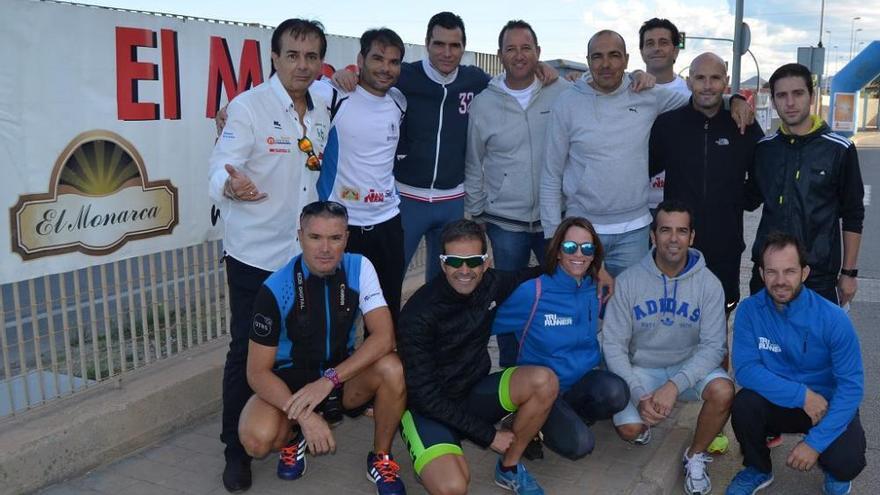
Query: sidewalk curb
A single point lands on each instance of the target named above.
(113, 419)
(662, 472)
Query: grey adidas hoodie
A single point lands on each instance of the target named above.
(655, 321)
(505, 155)
(597, 153)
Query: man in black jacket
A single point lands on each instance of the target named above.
(811, 186)
(442, 337)
(708, 163)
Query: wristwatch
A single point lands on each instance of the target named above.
(330, 374)
(850, 273)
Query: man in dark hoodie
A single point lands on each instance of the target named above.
(665, 335)
(811, 186)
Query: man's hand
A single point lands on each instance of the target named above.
(604, 285)
(664, 398)
(573, 76)
(240, 187)
(641, 80)
(815, 406)
(502, 441)
(647, 412)
(846, 289)
(802, 457)
(742, 113)
(345, 80)
(546, 74)
(303, 402)
(317, 434)
(220, 119)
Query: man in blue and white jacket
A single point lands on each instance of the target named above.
(798, 360)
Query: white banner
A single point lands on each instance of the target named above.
(106, 126)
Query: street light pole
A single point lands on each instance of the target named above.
(737, 45)
(852, 36)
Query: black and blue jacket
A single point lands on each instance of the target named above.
(310, 319)
(430, 154)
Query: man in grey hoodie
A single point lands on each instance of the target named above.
(665, 335)
(597, 152)
(505, 153)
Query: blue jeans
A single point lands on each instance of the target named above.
(511, 251)
(421, 218)
(624, 250)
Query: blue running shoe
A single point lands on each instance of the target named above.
(520, 482)
(834, 487)
(385, 473)
(749, 481)
(292, 459)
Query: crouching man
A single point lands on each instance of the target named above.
(302, 364)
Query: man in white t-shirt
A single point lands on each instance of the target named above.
(659, 40)
(359, 158)
(505, 154)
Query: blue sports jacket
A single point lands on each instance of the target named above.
(562, 334)
(810, 343)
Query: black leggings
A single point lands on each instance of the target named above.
(754, 417)
(598, 395)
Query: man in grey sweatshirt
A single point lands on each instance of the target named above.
(665, 335)
(505, 155)
(597, 152)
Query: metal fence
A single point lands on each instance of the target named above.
(65, 333)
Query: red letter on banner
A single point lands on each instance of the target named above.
(221, 70)
(170, 75)
(129, 71)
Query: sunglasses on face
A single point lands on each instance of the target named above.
(312, 161)
(472, 261)
(571, 247)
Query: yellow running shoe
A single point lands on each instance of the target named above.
(719, 445)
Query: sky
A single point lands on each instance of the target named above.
(778, 27)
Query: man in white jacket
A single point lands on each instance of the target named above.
(665, 334)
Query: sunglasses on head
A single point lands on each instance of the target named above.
(571, 247)
(472, 261)
(312, 161)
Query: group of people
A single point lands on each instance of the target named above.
(326, 188)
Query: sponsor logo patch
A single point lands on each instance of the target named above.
(262, 325)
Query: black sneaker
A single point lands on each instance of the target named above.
(535, 449)
(237, 475)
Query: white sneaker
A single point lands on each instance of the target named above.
(696, 479)
(644, 437)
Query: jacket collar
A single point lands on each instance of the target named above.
(436, 76)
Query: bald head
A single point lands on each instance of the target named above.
(606, 33)
(707, 81)
(710, 58)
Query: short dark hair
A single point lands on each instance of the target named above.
(791, 70)
(328, 209)
(551, 257)
(446, 20)
(299, 29)
(516, 24)
(778, 240)
(670, 206)
(659, 23)
(463, 229)
(384, 37)
(602, 33)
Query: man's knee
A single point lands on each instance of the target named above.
(746, 403)
(581, 443)
(451, 485)
(719, 392)
(541, 382)
(257, 440)
(630, 431)
(390, 371)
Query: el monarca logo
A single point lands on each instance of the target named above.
(99, 198)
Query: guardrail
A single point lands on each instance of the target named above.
(62, 334)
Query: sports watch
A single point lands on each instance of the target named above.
(330, 374)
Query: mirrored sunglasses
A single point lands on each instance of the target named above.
(571, 247)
